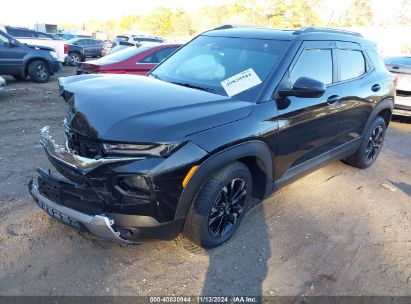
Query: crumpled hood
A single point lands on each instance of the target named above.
(130, 108)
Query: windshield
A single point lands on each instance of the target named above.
(126, 53)
(227, 66)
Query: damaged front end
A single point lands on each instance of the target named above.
(79, 203)
(128, 199)
(115, 185)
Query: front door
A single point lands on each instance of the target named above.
(11, 57)
(307, 126)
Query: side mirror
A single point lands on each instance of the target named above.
(305, 87)
(13, 43)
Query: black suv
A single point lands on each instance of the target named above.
(233, 115)
(22, 60)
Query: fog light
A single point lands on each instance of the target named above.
(135, 184)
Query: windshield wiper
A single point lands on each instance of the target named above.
(193, 86)
(155, 76)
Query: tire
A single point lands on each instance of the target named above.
(371, 145)
(39, 71)
(214, 207)
(75, 58)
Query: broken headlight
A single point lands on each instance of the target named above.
(159, 150)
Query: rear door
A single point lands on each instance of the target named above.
(95, 46)
(85, 45)
(358, 88)
(307, 125)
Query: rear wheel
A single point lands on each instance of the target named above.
(371, 146)
(75, 58)
(39, 71)
(219, 206)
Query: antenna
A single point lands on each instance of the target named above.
(331, 17)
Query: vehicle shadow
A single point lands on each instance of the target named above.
(406, 188)
(239, 267)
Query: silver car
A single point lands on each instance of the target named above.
(401, 67)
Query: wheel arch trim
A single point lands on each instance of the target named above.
(252, 148)
(385, 104)
(29, 60)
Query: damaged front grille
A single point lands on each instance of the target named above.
(83, 146)
(66, 193)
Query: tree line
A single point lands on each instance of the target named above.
(167, 22)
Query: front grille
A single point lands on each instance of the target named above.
(83, 146)
(70, 195)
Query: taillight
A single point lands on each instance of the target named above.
(113, 72)
(66, 49)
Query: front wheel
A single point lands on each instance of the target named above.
(219, 206)
(39, 71)
(371, 145)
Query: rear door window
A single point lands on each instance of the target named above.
(351, 64)
(314, 63)
(164, 53)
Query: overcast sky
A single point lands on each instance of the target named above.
(29, 12)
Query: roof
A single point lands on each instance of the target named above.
(305, 33)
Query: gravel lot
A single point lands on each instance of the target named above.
(337, 231)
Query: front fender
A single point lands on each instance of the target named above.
(217, 161)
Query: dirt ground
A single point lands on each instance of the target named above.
(337, 231)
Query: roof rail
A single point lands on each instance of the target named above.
(228, 26)
(313, 29)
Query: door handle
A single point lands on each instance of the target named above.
(396, 67)
(333, 99)
(376, 87)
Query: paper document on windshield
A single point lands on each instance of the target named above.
(240, 82)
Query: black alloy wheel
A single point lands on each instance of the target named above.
(374, 144)
(219, 206)
(227, 208)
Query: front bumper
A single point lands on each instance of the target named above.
(54, 66)
(98, 225)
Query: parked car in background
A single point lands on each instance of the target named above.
(229, 118)
(119, 47)
(91, 47)
(32, 37)
(137, 39)
(2, 83)
(132, 60)
(76, 54)
(107, 45)
(400, 66)
(124, 44)
(53, 36)
(22, 60)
